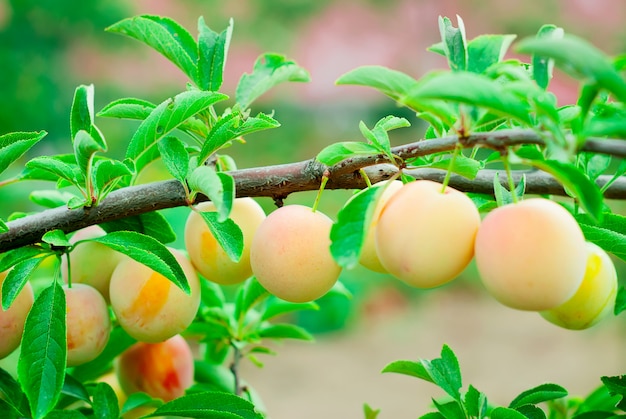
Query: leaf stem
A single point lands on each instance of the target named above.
(321, 189)
(365, 177)
(509, 177)
(446, 180)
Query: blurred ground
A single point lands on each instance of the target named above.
(502, 352)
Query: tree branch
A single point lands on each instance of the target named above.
(281, 180)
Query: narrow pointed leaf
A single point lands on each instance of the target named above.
(41, 369)
(580, 59)
(15, 256)
(152, 224)
(227, 233)
(269, 70)
(445, 372)
(165, 36)
(51, 198)
(148, 251)
(164, 118)
(106, 172)
(82, 112)
(175, 157)
(506, 413)
(454, 43)
(210, 405)
(128, 108)
(16, 279)
(411, 368)
(105, 404)
(337, 152)
(285, 331)
(85, 146)
(392, 83)
(275, 307)
(541, 393)
(55, 168)
(542, 66)
(485, 50)
(347, 235)
(212, 52)
(219, 187)
(250, 294)
(3, 227)
(15, 144)
(463, 166)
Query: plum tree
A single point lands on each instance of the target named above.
(88, 323)
(148, 305)
(92, 263)
(290, 254)
(12, 320)
(531, 255)
(163, 370)
(205, 253)
(595, 298)
(369, 256)
(425, 235)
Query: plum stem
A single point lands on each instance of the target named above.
(446, 179)
(509, 177)
(321, 189)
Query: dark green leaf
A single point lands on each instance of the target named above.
(276, 307)
(284, 331)
(213, 405)
(476, 403)
(118, 342)
(164, 118)
(82, 112)
(51, 198)
(454, 43)
(340, 151)
(580, 59)
(106, 172)
(463, 165)
(56, 168)
(15, 256)
(15, 144)
(620, 301)
(75, 389)
(369, 412)
(450, 409)
(3, 227)
(56, 238)
(164, 35)
(65, 414)
(542, 66)
(15, 280)
(227, 233)
(8, 411)
(531, 411)
(485, 50)
(212, 51)
(269, 70)
(470, 88)
(539, 394)
(251, 293)
(445, 372)
(105, 405)
(595, 414)
(506, 413)
(219, 187)
(151, 224)
(12, 394)
(411, 368)
(432, 415)
(41, 369)
(392, 83)
(347, 235)
(148, 251)
(175, 157)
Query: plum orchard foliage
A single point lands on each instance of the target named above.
(485, 112)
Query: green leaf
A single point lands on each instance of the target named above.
(450, 409)
(219, 187)
(106, 172)
(41, 369)
(8, 411)
(348, 234)
(276, 307)
(542, 66)
(502, 195)
(227, 233)
(56, 238)
(212, 294)
(3, 227)
(593, 164)
(139, 399)
(12, 394)
(464, 166)
(411, 368)
(212, 51)
(541, 393)
(75, 389)
(105, 405)
(454, 43)
(485, 50)
(51, 198)
(268, 71)
(165, 36)
(250, 294)
(580, 59)
(15, 256)
(213, 405)
(620, 301)
(616, 385)
(128, 108)
(56, 168)
(147, 251)
(337, 152)
(610, 234)
(506, 413)
(16, 279)
(378, 135)
(369, 412)
(119, 341)
(392, 83)
(580, 186)
(532, 412)
(82, 113)
(152, 224)
(13, 146)
(164, 118)
(445, 372)
(476, 403)
(470, 88)
(65, 414)
(285, 331)
(175, 157)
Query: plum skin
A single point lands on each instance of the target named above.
(290, 254)
(12, 320)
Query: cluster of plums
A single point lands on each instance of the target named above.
(530, 255)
